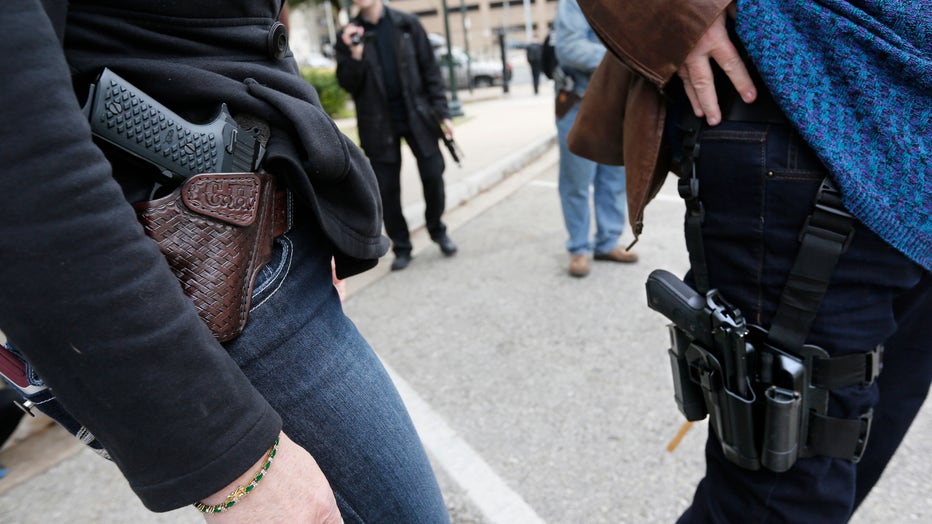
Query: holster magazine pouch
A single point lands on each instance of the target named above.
(781, 414)
(217, 230)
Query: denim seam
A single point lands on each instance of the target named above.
(762, 235)
(343, 503)
(797, 174)
(283, 269)
(745, 136)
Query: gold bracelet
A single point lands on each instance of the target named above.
(241, 491)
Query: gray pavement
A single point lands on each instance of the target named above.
(540, 398)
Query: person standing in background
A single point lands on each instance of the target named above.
(535, 58)
(385, 61)
(579, 52)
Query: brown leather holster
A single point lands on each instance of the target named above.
(217, 231)
(565, 101)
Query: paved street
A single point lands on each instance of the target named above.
(540, 398)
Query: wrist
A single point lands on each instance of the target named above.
(243, 485)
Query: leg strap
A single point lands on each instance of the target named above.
(848, 370)
(838, 437)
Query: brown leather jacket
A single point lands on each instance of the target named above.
(622, 116)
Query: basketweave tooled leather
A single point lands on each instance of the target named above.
(216, 231)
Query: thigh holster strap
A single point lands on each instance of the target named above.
(858, 369)
(838, 437)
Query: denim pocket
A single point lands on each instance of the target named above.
(272, 275)
(270, 278)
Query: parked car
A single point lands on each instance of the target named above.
(479, 73)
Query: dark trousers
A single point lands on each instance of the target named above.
(757, 184)
(904, 383)
(430, 165)
(535, 75)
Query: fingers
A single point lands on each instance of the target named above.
(346, 35)
(447, 127)
(730, 61)
(348, 32)
(696, 72)
(700, 89)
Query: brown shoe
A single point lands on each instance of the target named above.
(618, 254)
(579, 265)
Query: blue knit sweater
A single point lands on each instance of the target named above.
(855, 77)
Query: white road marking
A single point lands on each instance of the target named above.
(489, 492)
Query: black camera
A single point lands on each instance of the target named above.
(358, 38)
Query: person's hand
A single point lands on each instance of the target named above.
(347, 36)
(293, 490)
(338, 283)
(447, 126)
(696, 71)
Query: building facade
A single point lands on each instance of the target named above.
(474, 25)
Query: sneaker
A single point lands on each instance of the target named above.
(401, 261)
(618, 254)
(579, 265)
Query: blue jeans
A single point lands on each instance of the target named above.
(758, 183)
(335, 398)
(577, 174)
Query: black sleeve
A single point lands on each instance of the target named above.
(351, 73)
(430, 71)
(91, 302)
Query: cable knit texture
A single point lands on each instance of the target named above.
(855, 77)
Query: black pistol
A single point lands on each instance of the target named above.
(691, 322)
(126, 117)
(454, 149)
(455, 152)
(709, 320)
(671, 297)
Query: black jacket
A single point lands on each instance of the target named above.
(83, 293)
(422, 88)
